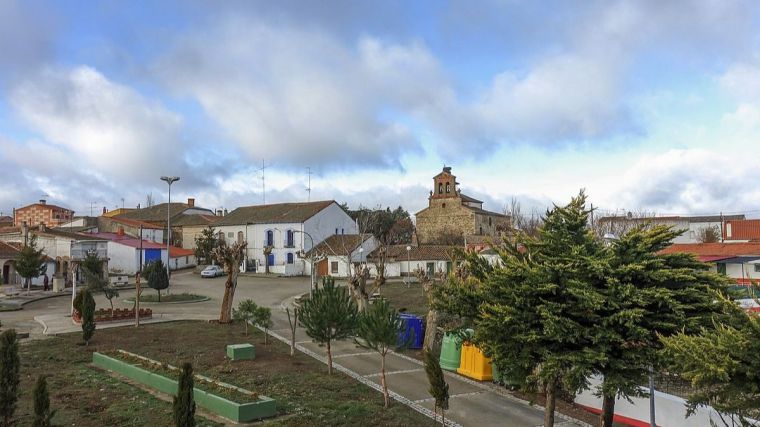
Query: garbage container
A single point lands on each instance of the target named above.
(474, 363)
(451, 351)
(412, 325)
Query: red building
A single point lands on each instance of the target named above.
(34, 214)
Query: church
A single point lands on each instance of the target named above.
(454, 218)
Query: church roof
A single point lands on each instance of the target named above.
(466, 198)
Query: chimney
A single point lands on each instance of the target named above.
(190, 202)
(225, 212)
(218, 212)
(105, 210)
(120, 232)
(42, 201)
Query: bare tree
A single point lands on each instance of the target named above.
(293, 325)
(709, 234)
(431, 327)
(229, 256)
(149, 200)
(528, 224)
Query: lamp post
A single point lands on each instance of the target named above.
(169, 180)
(408, 268)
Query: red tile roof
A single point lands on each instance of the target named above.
(175, 252)
(137, 223)
(715, 249)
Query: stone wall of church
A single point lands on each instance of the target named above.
(444, 217)
(489, 225)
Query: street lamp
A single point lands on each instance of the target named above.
(408, 269)
(169, 180)
(311, 260)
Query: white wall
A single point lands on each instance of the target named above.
(669, 410)
(122, 259)
(323, 225)
(180, 262)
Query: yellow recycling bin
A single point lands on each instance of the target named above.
(474, 364)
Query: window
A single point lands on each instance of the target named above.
(289, 240)
(440, 188)
(290, 258)
(221, 236)
(336, 230)
(269, 239)
(489, 222)
(448, 188)
(481, 230)
(443, 205)
(230, 234)
(334, 267)
(240, 237)
(757, 268)
(721, 268)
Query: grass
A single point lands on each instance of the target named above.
(184, 297)
(86, 396)
(410, 299)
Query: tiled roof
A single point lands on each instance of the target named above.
(483, 211)
(59, 232)
(274, 214)
(137, 223)
(196, 220)
(175, 252)
(158, 212)
(466, 198)
(128, 241)
(715, 249)
(418, 253)
(8, 250)
(6, 219)
(339, 244)
(44, 205)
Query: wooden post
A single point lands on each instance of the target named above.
(137, 300)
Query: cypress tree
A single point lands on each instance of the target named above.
(88, 316)
(378, 329)
(184, 402)
(9, 375)
(329, 315)
(438, 387)
(42, 413)
(31, 262)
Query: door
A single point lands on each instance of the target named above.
(322, 268)
(270, 260)
(152, 255)
(6, 273)
(431, 269)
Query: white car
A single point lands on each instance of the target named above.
(212, 271)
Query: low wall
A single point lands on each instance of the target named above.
(670, 411)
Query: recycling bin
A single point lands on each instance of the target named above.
(413, 327)
(451, 351)
(474, 364)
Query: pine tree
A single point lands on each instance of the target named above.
(42, 412)
(246, 312)
(439, 389)
(647, 295)
(722, 364)
(155, 274)
(205, 244)
(329, 315)
(31, 262)
(10, 365)
(88, 315)
(378, 329)
(184, 402)
(539, 311)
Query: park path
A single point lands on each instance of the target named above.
(471, 403)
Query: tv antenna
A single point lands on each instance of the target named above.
(308, 188)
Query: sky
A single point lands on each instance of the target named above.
(647, 105)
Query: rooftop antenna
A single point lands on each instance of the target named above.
(91, 204)
(122, 203)
(308, 189)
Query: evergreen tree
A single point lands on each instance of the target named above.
(378, 329)
(184, 402)
(205, 244)
(647, 295)
(155, 274)
(246, 312)
(93, 264)
(10, 365)
(329, 315)
(539, 311)
(263, 319)
(42, 412)
(438, 387)
(88, 316)
(722, 364)
(31, 262)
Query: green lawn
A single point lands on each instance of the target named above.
(86, 396)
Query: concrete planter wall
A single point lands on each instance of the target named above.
(239, 412)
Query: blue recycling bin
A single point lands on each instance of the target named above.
(412, 325)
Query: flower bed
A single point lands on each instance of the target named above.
(227, 400)
(118, 315)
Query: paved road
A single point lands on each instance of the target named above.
(471, 403)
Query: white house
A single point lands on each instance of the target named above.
(404, 260)
(124, 253)
(11, 251)
(336, 255)
(289, 229)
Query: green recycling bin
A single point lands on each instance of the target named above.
(451, 351)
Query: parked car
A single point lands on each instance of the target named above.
(212, 271)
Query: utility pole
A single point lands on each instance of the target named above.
(308, 188)
(91, 205)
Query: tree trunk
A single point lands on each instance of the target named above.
(111, 302)
(608, 411)
(430, 330)
(382, 380)
(246, 326)
(551, 389)
(229, 294)
(293, 325)
(265, 336)
(329, 359)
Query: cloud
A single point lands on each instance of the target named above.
(691, 181)
(26, 37)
